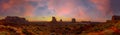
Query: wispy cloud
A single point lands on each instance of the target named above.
(84, 9)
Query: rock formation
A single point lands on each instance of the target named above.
(54, 20)
(115, 18)
(15, 19)
(61, 20)
(73, 20)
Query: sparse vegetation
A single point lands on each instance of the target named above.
(75, 29)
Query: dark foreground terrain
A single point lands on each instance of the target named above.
(60, 28)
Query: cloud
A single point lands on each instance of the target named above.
(84, 9)
(61, 7)
(114, 4)
(11, 7)
(17, 7)
(103, 6)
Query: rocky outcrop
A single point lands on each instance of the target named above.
(15, 19)
(115, 18)
(73, 20)
(54, 20)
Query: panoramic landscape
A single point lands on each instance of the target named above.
(59, 17)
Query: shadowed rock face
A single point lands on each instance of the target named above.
(61, 20)
(54, 20)
(15, 19)
(73, 20)
(115, 18)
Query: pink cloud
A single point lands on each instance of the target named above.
(15, 3)
(29, 11)
(61, 7)
(103, 6)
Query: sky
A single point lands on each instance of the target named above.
(43, 10)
